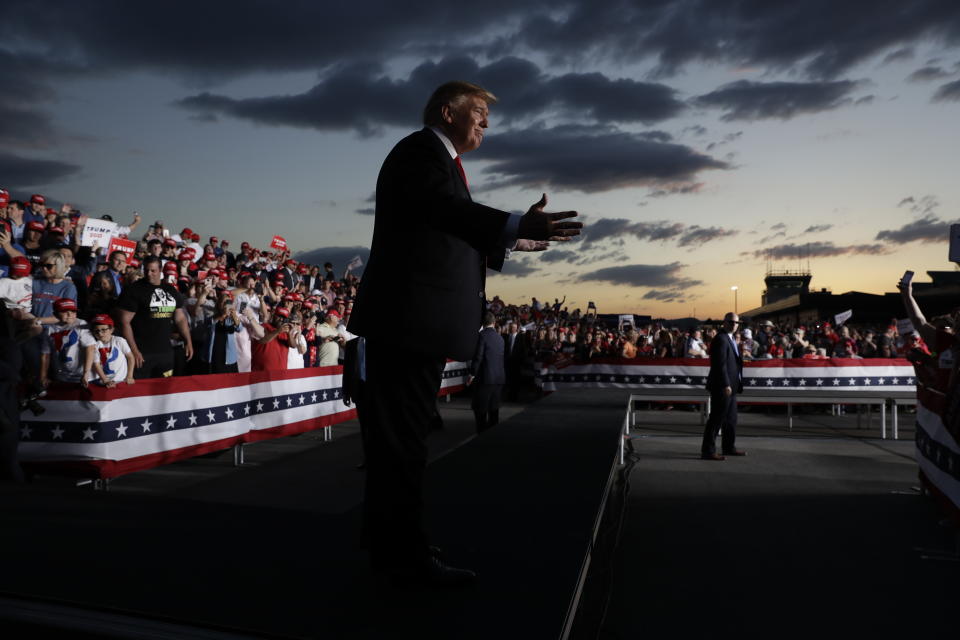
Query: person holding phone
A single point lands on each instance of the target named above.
(271, 351)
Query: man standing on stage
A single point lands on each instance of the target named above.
(486, 370)
(724, 382)
(420, 301)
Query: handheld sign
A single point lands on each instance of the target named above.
(907, 278)
(840, 318)
(99, 232)
(129, 247)
(278, 243)
(904, 326)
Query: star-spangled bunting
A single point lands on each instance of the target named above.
(170, 421)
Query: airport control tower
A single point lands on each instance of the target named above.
(782, 284)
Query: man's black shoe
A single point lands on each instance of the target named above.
(711, 456)
(735, 452)
(432, 572)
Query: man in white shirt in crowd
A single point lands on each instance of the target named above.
(329, 340)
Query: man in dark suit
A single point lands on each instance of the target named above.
(724, 382)
(420, 302)
(515, 353)
(487, 375)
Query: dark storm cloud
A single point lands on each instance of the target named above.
(338, 256)
(665, 295)
(905, 53)
(16, 171)
(817, 228)
(926, 74)
(929, 228)
(780, 226)
(747, 100)
(366, 211)
(701, 235)
(516, 267)
(617, 229)
(24, 128)
(642, 275)
(211, 40)
(926, 205)
(816, 250)
(949, 92)
(589, 159)
(361, 97)
(822, 36)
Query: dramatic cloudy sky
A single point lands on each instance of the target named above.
(701, 141)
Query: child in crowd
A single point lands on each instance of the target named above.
(62, 344)
(16, 290)
(108, 357)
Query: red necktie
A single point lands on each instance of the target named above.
(462, 173)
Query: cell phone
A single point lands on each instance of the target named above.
(907, 278)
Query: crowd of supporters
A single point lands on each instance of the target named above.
(550, 331)
(179, 307)
(174, 306)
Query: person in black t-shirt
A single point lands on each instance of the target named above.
(150, 311)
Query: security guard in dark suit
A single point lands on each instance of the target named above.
(487, 375)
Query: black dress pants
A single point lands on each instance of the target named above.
(723, 413)
(486, 405)
(396, 409)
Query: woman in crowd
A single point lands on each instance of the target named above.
(51, 286)
(219, 347)
(102, 295)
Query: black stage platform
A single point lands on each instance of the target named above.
(262, 552)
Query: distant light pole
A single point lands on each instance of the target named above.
(734, 288)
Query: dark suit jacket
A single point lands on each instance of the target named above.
(726, 365)
(514, 358)
(487, 364)
(424, 280)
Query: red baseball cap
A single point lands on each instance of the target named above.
(102, 318)
(170, 265)
(187, 232)
(51, 211)
(38, 199)
(133, 262)
(184, 255)
(282, 311)
(4, 197)
(35, 226)
(65, 304)
(20, 266)
(334, 313)
(55, 230)
(169, 242)
(214, 239)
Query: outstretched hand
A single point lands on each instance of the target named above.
(537, 224)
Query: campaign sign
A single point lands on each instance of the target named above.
(278, 243)
(99, 232)
(904, 326)
(129, 247)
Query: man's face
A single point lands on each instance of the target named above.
(156, 249)
(118, 262)
(66, 317)
(464, 124)
(39, 209)
(154, 273)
